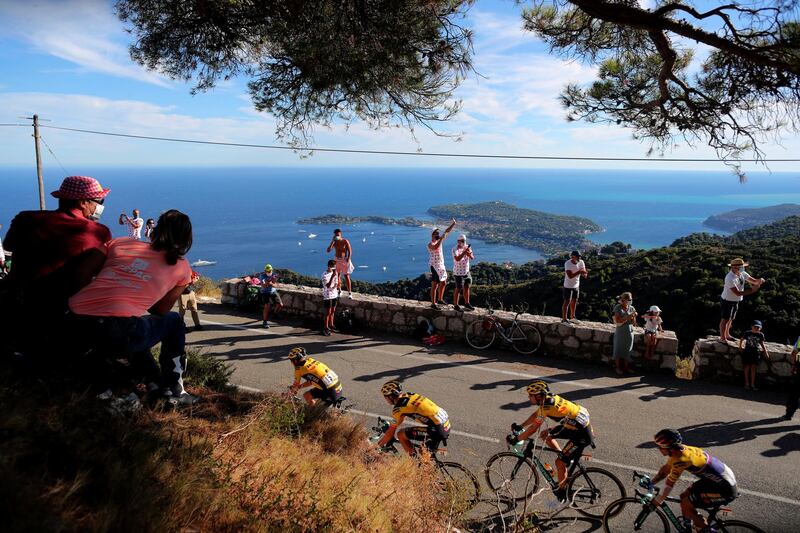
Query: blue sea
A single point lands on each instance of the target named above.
(246, 217)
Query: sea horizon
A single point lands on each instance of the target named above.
(245, 217)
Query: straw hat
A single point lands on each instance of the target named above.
(625, 296)
(738, 262)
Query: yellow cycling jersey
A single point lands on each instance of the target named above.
(571, 415)
(319, 374)
(700, 463)
(420, 409)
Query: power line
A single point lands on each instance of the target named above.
(53, 154)
(398, 152)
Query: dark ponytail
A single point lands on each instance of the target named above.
(172, 235)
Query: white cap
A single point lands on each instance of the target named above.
(655, 309)
(462, 237)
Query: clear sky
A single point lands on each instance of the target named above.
(67, 60)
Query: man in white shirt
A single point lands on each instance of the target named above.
(134, 224)
(574, 268)
(732, 293)
(462, 253)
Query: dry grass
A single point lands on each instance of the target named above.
(206, 286)
(233, 462)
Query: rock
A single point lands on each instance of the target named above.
(583, 333)
(565, 330)
(782, 369)
(440, 323)
(571, 343)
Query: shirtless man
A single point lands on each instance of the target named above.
(344, 258)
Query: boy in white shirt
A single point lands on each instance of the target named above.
(574, 268)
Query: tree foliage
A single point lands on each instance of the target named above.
(746, 90)
(313, 62)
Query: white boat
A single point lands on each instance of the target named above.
(372, 233)
(364, 239)
(299, 243)
(301, 231)
(203, 263)
(312, 235)
(384, 269)
(363, 266)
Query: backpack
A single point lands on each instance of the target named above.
(347, 322)
(424, 329)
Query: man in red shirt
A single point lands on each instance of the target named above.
(56, 253)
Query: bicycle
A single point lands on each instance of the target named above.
(518, 471)
(525, 338)
(455, 478)
(323, 404)
(638, 513)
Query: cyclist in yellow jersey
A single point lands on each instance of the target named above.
(573, 426)
(716, 486)
(324, 381)
(419, 408)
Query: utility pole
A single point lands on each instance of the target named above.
(38, 161)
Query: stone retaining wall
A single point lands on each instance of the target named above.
(582, 340)
(713, 359)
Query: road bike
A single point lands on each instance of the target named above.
(524, 338)
(454, 478)
(638, 513)
(516, 473)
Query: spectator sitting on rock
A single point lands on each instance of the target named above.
(752, 346)
(462, 253)
(188, 300)
(652, 327)
(436, 262)
(331, 282)
(574, 268)
(732, 293)
(269, 294)
(125, 310)
(624, 320)
(56, 253)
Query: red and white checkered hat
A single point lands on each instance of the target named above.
(80, 188)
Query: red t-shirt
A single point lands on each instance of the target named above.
(133, 279)
(48, 246)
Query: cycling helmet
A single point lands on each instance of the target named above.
(537, 387)
(267, 268)
(668, 438)
(390, 388)
(297, 354)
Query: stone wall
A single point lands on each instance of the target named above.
(721, 361)
(582, 340)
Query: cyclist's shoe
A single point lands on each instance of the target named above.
(709, 529)
(512, 440)
(516, 427)
(561, 494)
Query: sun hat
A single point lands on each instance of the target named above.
(738, 262)
(267, 268)
(575, 253)
(655, 309)
(462, 237)
(80, 188)
(625, 296)
(757, 323)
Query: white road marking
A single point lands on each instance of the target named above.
(632, 468)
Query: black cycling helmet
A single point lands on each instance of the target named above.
(537, 387)
(668, 438)
(391, 388)
(297, 354)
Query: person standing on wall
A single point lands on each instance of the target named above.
(344, 258)
(462, 253)
(436, 262)
(574, 268)
(624, 320)
(734, 292)
(331, 283)
(134, 224)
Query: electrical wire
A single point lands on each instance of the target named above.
(53, 154)
(398, 152)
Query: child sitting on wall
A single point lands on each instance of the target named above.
(652, 327)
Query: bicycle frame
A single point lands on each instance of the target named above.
(503, 332)
(574, 464)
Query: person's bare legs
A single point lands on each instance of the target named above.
(442, 286)
(457, 295)
(434, 287)
(347, 282)
(265, 313)
(466, 294)
(564, 307)
(573, 302)
(724, 326)
(195, 318)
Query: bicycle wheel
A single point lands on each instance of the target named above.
(525, 338)
(510, 475)
(628, 514)
(592, 489)
(736, 526)
(460, 484)
(479, 337)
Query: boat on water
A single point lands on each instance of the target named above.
(384, 269)
(203, 263)
(364, 239)
(301, 231)
(363, 266)
(299, 243)
(312, 235)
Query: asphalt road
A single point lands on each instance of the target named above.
(483, 392)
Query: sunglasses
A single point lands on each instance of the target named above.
(461, 240)
(101, 201)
